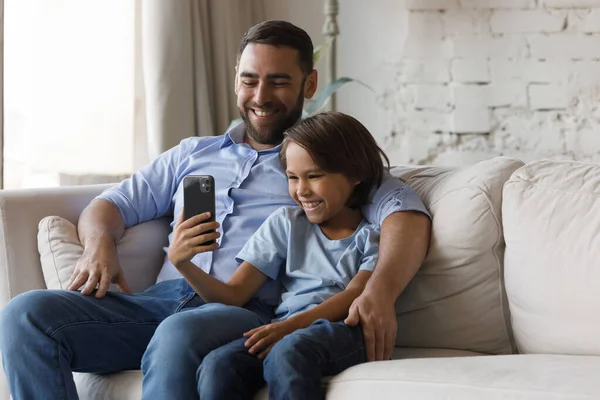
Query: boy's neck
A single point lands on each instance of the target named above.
(342, 225)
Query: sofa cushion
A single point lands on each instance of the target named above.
(517, 377)
(457, 300)
(552, 261)
(140, 252)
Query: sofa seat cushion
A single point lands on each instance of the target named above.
(552, 263)
(516, 377)
(457, 299)
(127, 385)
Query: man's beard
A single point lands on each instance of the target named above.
(273, 134)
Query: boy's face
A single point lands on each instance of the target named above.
(322, 195)
(271, 88)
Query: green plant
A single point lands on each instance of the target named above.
(316, 104)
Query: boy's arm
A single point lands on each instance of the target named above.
(263, 338)
(334, 308)
(244, 282)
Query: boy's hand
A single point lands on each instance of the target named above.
(188, 237)
(264, 337)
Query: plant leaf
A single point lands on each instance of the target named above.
(314, 105)
(320, 49)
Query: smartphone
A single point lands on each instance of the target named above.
(199, 197)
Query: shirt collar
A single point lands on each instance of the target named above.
(236, 134)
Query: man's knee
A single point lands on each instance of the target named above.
(21, 313)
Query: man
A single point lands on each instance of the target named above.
(168, 329)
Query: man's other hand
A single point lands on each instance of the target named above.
(98, 266)
(377, 316)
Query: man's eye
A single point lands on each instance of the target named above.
(248, 83)
(280, 84)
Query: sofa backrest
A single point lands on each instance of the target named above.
(457, 300)
(552, 226)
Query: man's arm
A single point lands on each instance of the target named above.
(403, 245)
(100, 227)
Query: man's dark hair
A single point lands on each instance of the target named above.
(281, 33)
(339, 143)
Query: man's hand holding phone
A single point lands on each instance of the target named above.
(190, 236)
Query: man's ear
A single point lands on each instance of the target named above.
(235, 82)
(310, 85)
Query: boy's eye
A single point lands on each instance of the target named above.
(314, 176)
(291, 178)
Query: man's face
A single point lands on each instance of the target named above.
(271, 88)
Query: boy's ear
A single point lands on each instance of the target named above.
(310, 85)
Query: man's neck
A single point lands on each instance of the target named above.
(255, 145)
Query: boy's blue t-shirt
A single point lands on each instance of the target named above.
(310, 267)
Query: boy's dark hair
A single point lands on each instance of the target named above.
(281, 33)
(339, 143)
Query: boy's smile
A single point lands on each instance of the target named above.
(322, 195)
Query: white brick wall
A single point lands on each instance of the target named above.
(509, 77)
(586, 21)
(472, 70)
(570, 3)
(571, 46)
(520, 21)
(497, 3)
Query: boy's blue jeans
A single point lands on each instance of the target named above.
(168, 330)
(293, 368)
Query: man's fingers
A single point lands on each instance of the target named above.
(379, 344)
(369, 343)
(79, 280)
(103, 286)
(390, 341)
(122, 283)
(353, 317)
(91, 283)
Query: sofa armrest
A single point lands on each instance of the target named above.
(20, 213)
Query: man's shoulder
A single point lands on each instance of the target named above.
(197, 143)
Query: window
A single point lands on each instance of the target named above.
(69, 91)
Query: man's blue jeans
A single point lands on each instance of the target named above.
(293, 368)
(47, 334)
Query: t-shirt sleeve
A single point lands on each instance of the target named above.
(370, 247)
(392, 196)
(267, 248)
(148, 193)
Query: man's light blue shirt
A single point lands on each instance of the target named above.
(249, 184)
(310, 267)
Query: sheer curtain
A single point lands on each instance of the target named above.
(186, 55)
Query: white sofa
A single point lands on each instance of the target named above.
(506, 306)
